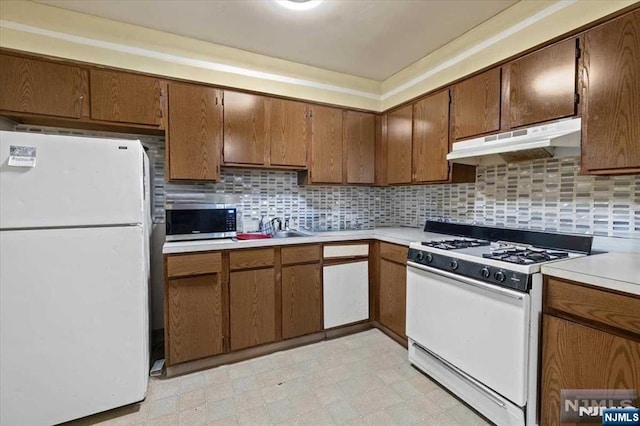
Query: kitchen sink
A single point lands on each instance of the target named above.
(290, 234)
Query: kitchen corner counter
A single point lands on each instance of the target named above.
(402, 236)
(615, 271)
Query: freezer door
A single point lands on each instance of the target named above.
(76, 181)
(74, 333)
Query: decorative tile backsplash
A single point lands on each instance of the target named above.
(277, 194)
(543, 195)
(546, 195)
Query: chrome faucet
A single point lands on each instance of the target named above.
(274, 221)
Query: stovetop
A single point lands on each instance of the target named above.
(471, 251)
(512, 256)
(525, 256)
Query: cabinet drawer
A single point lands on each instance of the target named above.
(300, 254)
(193, 264)
(611, 309)
(347, 250)
(394, 252)
(247, 259)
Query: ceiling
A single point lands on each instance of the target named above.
(372, 39)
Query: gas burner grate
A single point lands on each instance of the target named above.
(525, 256)
(455, 244)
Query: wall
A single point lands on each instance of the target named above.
(548, 195)
(277, 194)
(544, 194)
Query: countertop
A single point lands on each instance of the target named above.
(402, 236)
(615, 271)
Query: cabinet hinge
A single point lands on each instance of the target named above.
(450, 98)
(578, 51)
(576, 98)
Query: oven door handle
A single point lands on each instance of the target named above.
(469, 281)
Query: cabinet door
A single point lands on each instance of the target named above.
(399, 137)
(124, 97)
(611, 110)
(542, 85)
(195, 132)
(252, 307)
(40, 87)
(246, 128)
(578, 357)
(476, 105)
(393, 296)
(360, 146)
(431, 138)
(301, 300)
(289, 133)
(326, 145)
(195, 312)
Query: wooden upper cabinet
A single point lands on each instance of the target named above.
(431, 138)
(399, 137)
(246, 128)
(194, 133)
(360, 146)
(289, 133)
(41, 87)
(125, 97)
(476, 105)
(611, 93)
(326, 145)
(542, 85)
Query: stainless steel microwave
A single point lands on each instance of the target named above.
(200, 221)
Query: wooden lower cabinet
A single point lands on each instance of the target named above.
(579, 357)
(195, 318)
(252, 307)
(590, 340)
(392, 288)
(301, 300)
(393, 296)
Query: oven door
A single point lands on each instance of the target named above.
(480, 329)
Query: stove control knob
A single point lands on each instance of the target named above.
(429, 258)
(500, 276)
(419, 255)
(485, 272)
(454, 265)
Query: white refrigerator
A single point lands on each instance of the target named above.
(74, 274)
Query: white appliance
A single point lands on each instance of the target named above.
(74, 273)
(473, 313)
(559, 139)
(345, 285)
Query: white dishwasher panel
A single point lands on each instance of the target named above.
(346, 293)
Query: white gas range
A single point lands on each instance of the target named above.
(473, 312)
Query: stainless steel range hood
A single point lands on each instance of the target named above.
(554, 140)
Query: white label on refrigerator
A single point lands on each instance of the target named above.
(22, 156)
